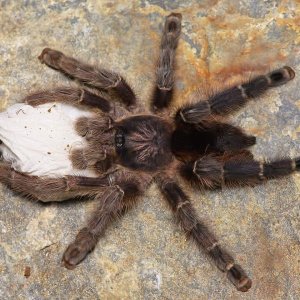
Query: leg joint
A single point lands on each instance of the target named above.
(181, 204)
(210, 248)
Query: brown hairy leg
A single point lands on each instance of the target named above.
(94, 77)
(112, 202)
(195, 229)
(211, 172)
(71, 96)
(109, 207)
(115, 192)
(48, 189)
(163, 91)
(233, 98)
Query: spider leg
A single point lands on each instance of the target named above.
(195, 229)
(235, 97)
(209, 136)
(71, 96)
(116, 193)
(112, 202)
(110, 206)
(211, 172)
(163, 91)
(50, 189)
(97, 78)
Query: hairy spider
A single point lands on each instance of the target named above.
(117, 150)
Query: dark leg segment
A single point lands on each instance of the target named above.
(207, 137)
(89, 75)
(110, 205)
(50, 189)
(233, 98)
(113, 201)
(115, 192)
(212, 172)
(163, 92)
(195, 229)
(71, 96)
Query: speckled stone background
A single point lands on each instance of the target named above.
(144, 255)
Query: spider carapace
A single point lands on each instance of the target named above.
(143, 142)
(74, 142)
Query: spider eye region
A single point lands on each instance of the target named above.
(119, 139)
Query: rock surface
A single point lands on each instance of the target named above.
(144, 255)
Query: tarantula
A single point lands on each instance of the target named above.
(73, 142)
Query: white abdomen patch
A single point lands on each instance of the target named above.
(38, 140)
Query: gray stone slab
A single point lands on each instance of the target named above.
(144, 255)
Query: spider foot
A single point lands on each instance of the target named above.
(239, 278)
(51, 58)
(173, 22)
(77, 251)
(172, 30)
(280, 76)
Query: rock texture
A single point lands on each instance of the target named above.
(144, 255)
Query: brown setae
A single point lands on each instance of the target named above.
(130, 147)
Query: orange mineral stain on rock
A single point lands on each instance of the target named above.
(293, 24)
(220, 45)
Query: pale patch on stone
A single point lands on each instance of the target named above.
(273, 101)
(3, 228)
(291, 133)
(248, 122)
(40, 232)
(119, 282)
(132, 51)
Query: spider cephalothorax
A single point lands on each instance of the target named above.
(72, 142)
(145, 143)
